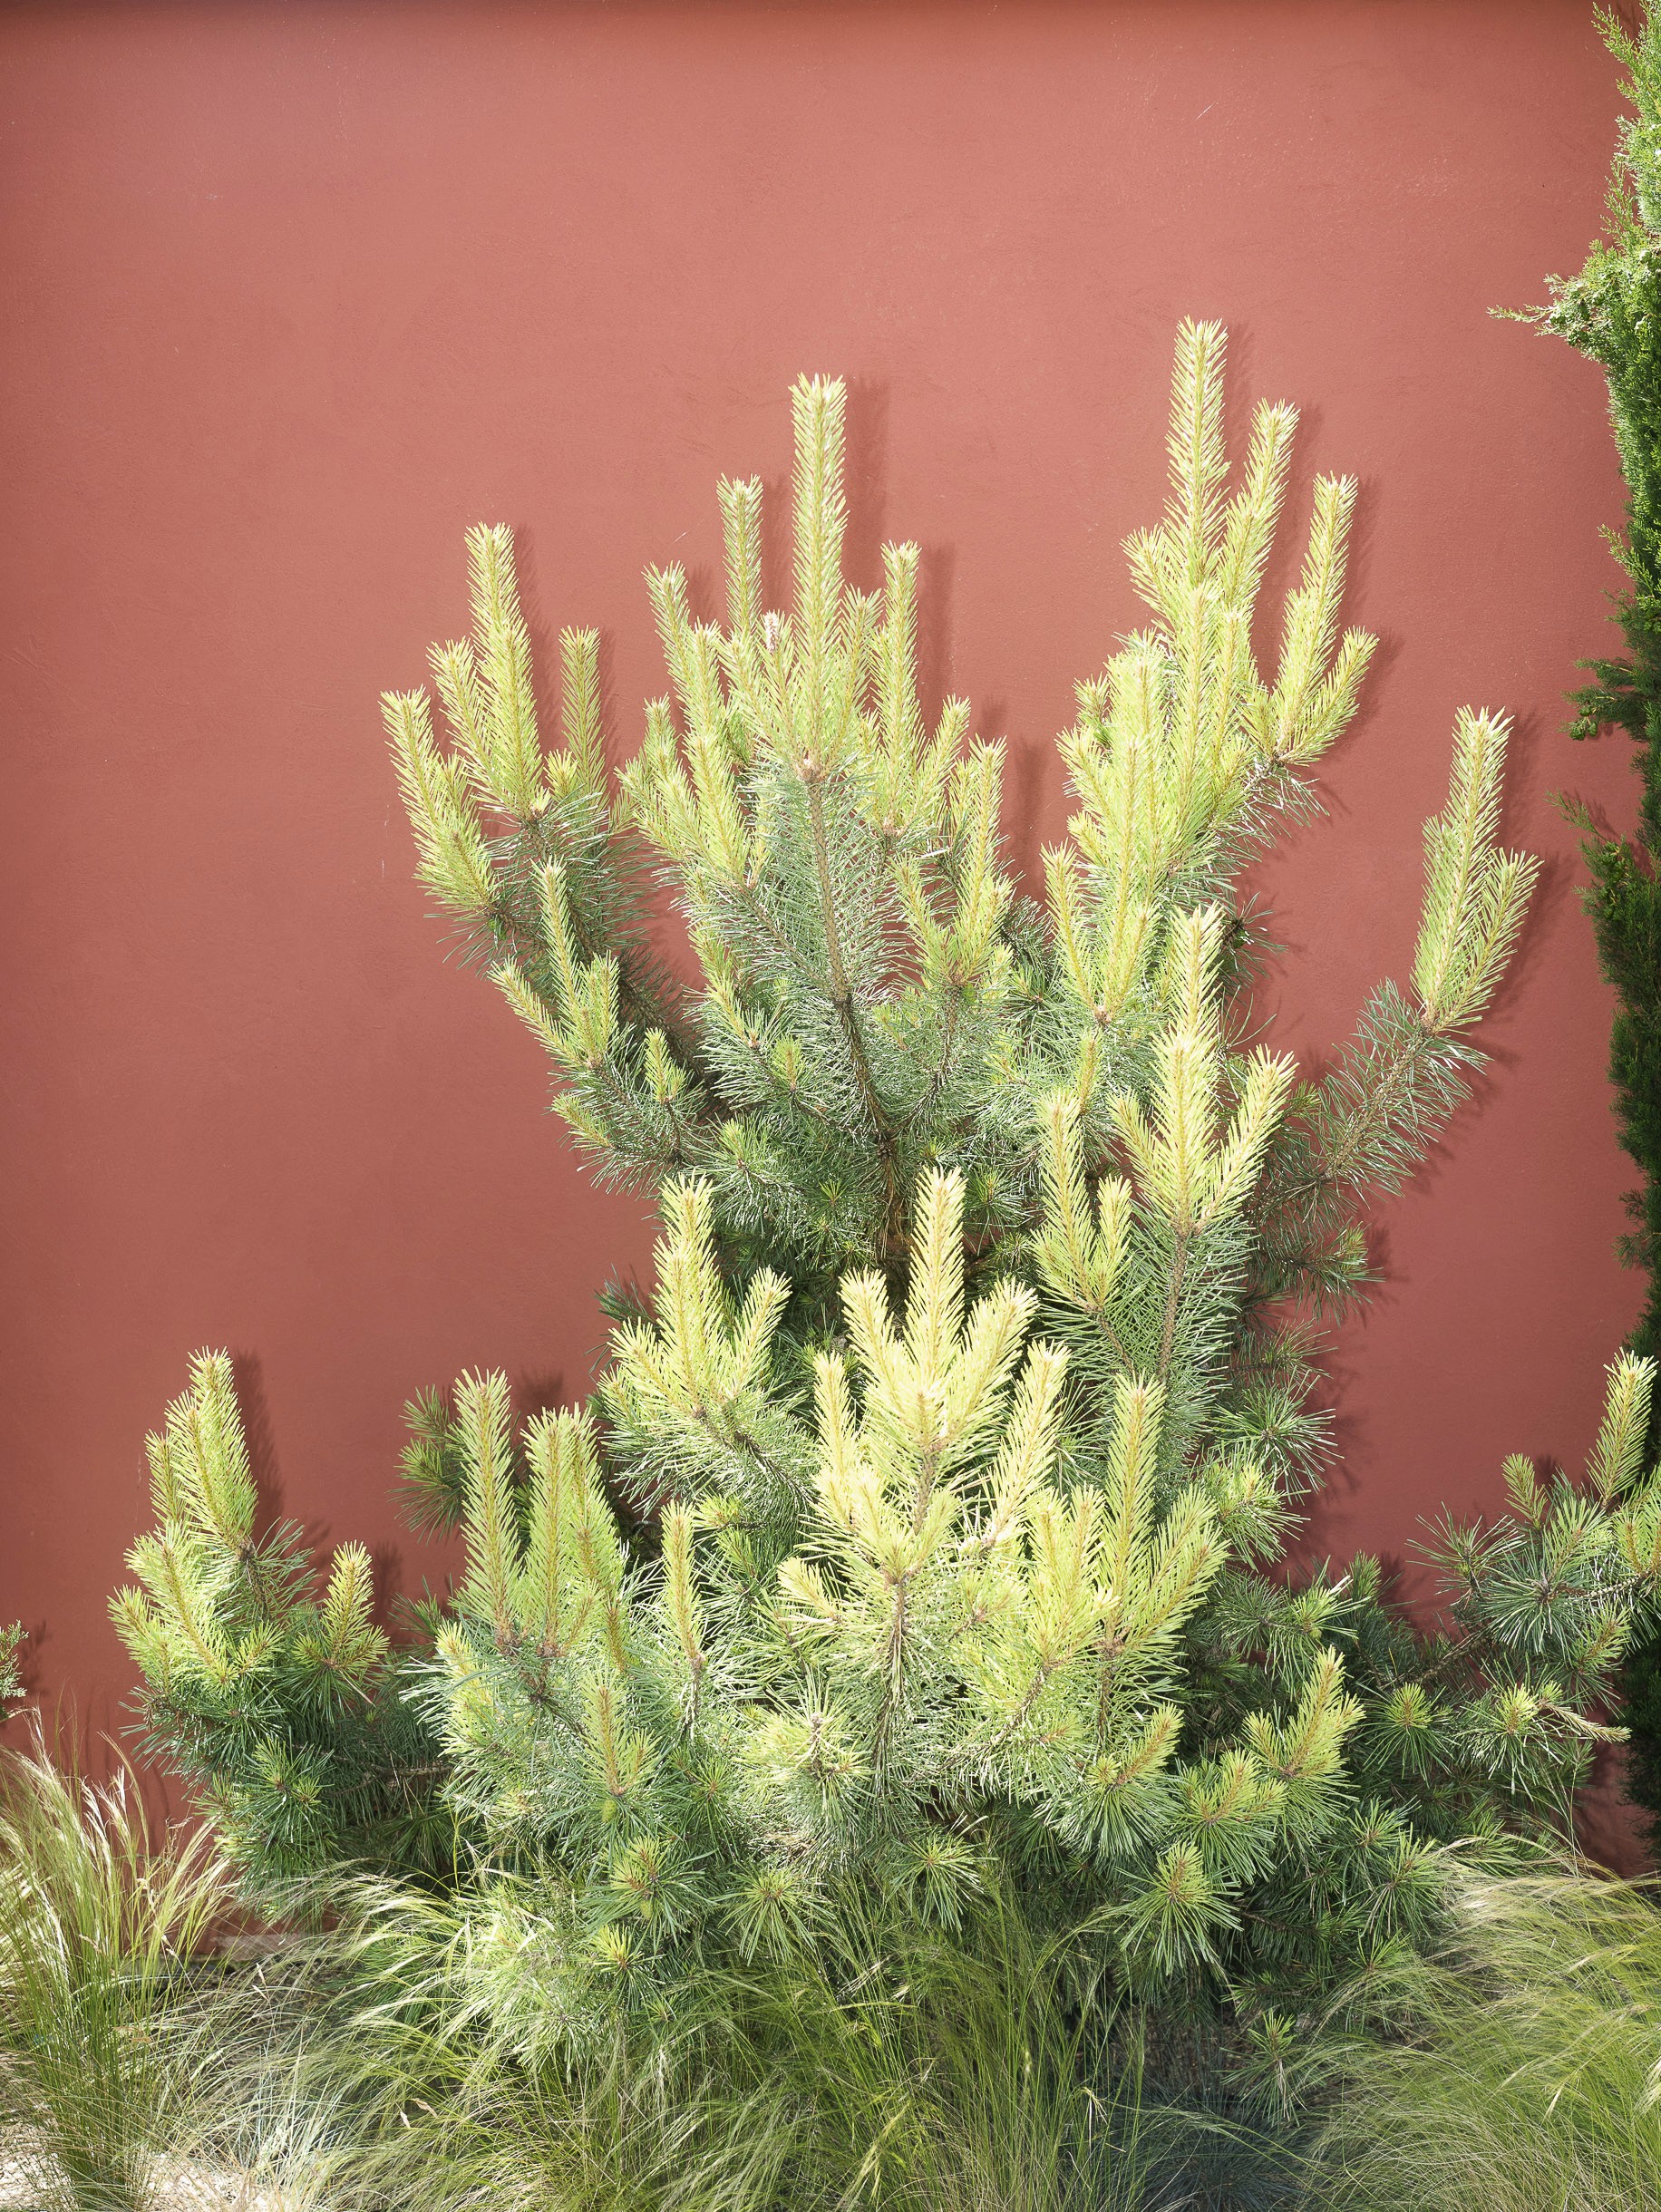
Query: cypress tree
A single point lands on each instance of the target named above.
(1612, 312)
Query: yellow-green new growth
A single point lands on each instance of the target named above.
(1181, 749)
(1476, 894)
(1194, 1173)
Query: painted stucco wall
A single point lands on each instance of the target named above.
(297, 293)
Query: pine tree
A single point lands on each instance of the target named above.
(281, 1700)
(1612, 312)
(921, 1537)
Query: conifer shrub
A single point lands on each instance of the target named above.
(923, 1541)
(1611, 312)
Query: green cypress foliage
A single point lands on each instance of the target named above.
(1612, 312)
(921, 1540)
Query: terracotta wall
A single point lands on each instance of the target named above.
(296, 292)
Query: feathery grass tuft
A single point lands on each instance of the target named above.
(103, 1925)
(1530, 2079)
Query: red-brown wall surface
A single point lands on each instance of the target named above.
(294, 294)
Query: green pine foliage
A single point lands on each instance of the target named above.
(923, 1540)
(277, 1694)
(1612, 312)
